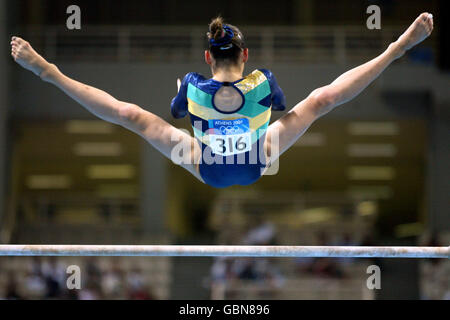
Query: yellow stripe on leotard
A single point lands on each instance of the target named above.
(251, 81)
(203, 112)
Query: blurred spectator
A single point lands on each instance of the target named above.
(54, 276)
(11, 288)
(136, 286)
(34, 280)
(93, 271)
(111, 283)
(46, 279)
(323, 267)
(89, 293)
(261, 271)
(435, 274)
(220, 274)
(262, 234)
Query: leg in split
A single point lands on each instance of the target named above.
(283, 133)
(177, 145)
(152, 128)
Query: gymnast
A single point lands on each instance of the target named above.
(233, 143)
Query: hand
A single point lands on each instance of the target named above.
(418, 31)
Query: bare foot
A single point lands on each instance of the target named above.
(25, 56)
(418, 31)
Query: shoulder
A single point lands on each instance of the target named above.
(193, 77)
(270, 77)
(267, 73)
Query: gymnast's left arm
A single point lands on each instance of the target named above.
(277, 97)
(351, 83)
(179, 104)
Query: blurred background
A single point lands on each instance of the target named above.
(373, 172)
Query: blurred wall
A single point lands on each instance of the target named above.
(439, 169)
(250, 12)
(3, 103)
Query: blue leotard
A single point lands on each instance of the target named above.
(232, 143)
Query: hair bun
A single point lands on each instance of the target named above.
(216, 29)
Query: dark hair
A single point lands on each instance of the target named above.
(226, 42)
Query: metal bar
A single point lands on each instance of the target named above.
(225, 251)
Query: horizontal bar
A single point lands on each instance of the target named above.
(224, 251)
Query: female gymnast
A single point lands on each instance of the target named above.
(230, 113)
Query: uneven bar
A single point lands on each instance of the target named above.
(224, 251)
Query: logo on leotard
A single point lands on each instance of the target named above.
(228, 127)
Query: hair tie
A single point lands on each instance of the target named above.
(227, 36)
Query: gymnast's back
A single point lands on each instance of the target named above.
(230, 119)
